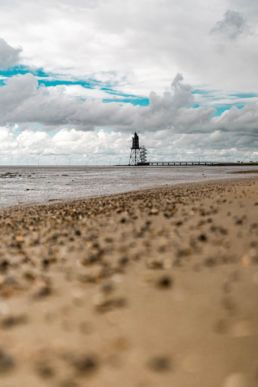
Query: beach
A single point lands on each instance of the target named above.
(152, 288)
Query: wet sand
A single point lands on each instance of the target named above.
(154, 288)
(245, 172)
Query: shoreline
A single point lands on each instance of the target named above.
(155, 287)
(71, 201)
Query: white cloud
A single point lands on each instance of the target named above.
(23, 102)
(9, 56)
(102, 147)
(141, 44)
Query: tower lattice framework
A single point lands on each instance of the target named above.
(138, 155)
(135, 155)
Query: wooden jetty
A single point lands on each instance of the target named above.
(195, 163)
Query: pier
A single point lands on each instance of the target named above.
(195, 163)
(138, 158)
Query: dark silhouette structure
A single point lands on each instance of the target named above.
(138, 155)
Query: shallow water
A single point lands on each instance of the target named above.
(22, 185)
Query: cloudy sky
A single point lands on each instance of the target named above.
(78, 77)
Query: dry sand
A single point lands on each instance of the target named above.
(154, 288)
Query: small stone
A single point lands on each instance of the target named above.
(104, 303)
(45, 370)
(6, 361)
(155, 264)
(4, 265)
(164, 282)
(123, 261)
(154, 211)
(107, 287)
(202, 238)
(29, 275)
(43, 291)
(10, 321)
(19, 239)
(93, 274)
(210, 262)
(85, 364)
(160, 364)
(92, 258)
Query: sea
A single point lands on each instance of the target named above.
(42, 184)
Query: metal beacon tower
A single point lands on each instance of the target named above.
(138, 155)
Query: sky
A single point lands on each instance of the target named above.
(78, 77)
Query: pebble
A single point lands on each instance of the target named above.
(104, 303)
(202, 238)
(210, 262)
(155, 264)
(123, 261)
(154, 211)
(4, 265)
(160, 363)
(11, 321)
(44, 369)
(42, 291)
(85, 364)
(92, 258)
(6, 361)
(164, 282)
(107, 287)
(93, 274)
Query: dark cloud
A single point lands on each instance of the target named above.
(231, 26)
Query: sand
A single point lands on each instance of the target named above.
(154, 288)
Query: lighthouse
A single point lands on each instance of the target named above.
(138, 155)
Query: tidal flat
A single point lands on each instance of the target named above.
(152, 288)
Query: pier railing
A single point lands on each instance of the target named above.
(195, 163)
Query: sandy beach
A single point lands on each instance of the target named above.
(153, 288)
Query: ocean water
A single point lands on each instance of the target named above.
(24, 185)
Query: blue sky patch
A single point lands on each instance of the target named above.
(220, 109)
(244, 95)
(22, 70)
(201, 91)
(196, 105)
(137, 101)
(64, 82)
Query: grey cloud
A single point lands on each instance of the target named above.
(9, 56)
(231, 26)
(242, 121)
(23, 102)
